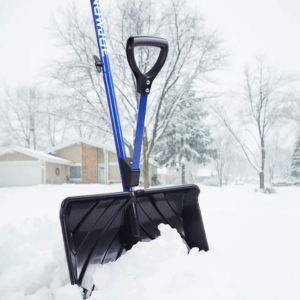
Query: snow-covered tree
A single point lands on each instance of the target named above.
(186, 140)
(194, 53)
(295, 166)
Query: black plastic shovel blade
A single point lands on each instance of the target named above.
(100, 228)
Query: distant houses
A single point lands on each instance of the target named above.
(79, 161)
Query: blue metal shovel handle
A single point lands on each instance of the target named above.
(109, 85)
(144, 82)
(139, 133)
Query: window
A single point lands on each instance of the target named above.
(75, 172)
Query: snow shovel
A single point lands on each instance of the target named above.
(99, 229)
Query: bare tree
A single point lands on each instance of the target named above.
(30, 118)
(20, 117)
(53, 124)
(194, 54)
(222, 155)
(260, 107)
(292, 110)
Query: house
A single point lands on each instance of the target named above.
(22, 166)
(93, 162)
(78, 161)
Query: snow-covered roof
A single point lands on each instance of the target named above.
(204, 173)
(36, 154)
(81, 141)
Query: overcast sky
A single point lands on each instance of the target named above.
(248, 28)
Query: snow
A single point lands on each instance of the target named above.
(253, 238)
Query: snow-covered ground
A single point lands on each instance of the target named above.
(254, 250)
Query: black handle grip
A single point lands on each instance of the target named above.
(144, 81)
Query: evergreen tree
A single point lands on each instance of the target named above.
(187, 139)
(295, 166)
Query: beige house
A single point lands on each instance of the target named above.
(22, 166)
(93, 162)
(79, 161)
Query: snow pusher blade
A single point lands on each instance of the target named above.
(99, 229)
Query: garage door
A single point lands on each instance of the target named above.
(20, 174)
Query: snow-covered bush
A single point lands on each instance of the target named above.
(269, 190)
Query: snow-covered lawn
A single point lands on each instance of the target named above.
(254, 250)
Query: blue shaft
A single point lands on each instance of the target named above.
(109, 85)
(139, 132)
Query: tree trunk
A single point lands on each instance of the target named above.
(261, 180)
(145, 166)
(271, 173)
(130, 149)
(32, 129)
(220, 179)
(183, 173)
(263, 158)
(146, 174)
(226, 176)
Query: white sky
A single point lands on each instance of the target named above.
(248, 28)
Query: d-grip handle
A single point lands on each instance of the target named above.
(144, 81)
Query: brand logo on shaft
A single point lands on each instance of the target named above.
(99, 26)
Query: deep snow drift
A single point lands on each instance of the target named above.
(253, 240)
